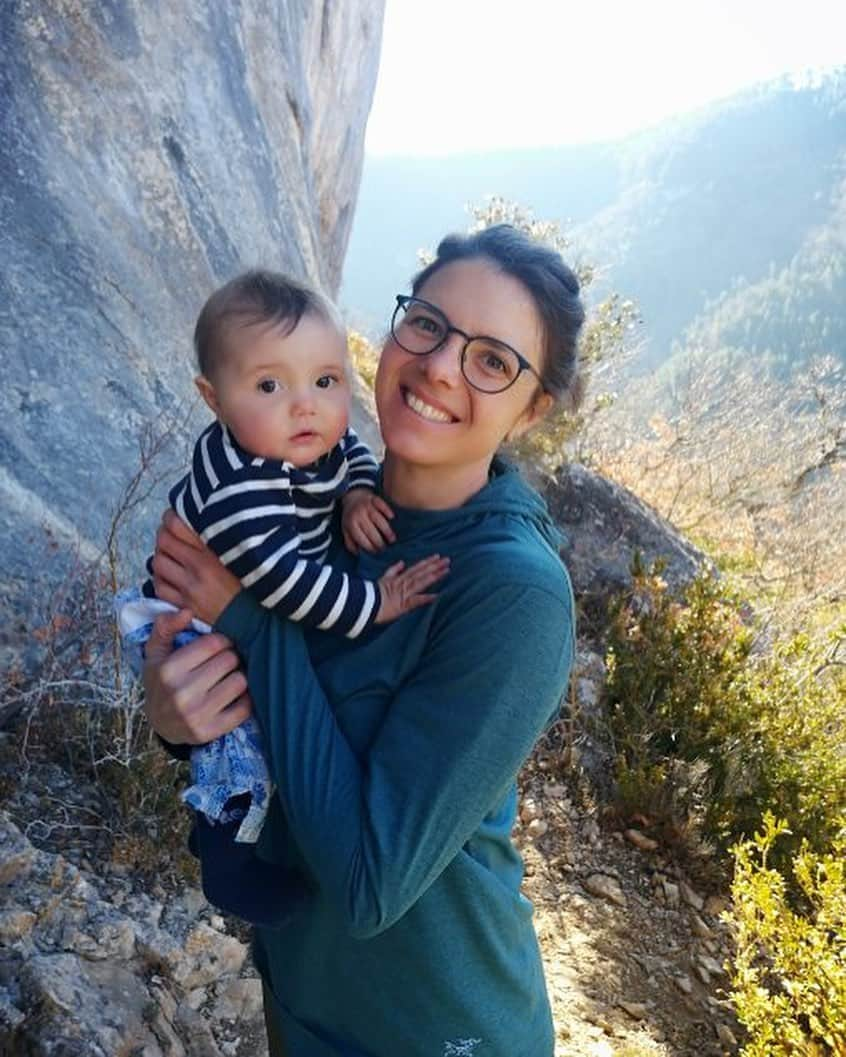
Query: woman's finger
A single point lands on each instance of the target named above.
(169, 543)
(206, 660)
(223, 695)
(394, 570)
(165, 627)
(174, 524)
(229, 718)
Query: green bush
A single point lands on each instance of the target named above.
(788, 979)
(710, 731)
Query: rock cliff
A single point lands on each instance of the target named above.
(147, 153)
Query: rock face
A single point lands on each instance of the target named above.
(605, 526)
(147, 153)
(81, 977)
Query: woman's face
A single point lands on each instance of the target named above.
(428, 413)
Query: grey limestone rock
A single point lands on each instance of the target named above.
(81, 976)
(147, 153)
(605, 526)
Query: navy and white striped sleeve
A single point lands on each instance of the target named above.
(248, 518)
(363, 467)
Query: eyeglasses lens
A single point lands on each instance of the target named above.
(419, 328)
(487, 365)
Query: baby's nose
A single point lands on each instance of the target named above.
(303, 402)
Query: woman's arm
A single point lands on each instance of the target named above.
(378, 831)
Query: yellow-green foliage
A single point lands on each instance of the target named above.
(788, 978)
(710, 733)
(364, 356)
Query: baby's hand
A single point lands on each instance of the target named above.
(365, 521)
(404, 589)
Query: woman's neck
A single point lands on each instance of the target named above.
(431, 487)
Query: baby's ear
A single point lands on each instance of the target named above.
(206, 391)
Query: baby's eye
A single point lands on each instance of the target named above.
(326, 381)
(268, 385)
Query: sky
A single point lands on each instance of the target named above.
(465, 75)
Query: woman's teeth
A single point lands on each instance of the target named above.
(432, 413)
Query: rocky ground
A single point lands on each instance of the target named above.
(97, 961)
(634, 954)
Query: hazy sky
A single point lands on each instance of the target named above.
(473, 74)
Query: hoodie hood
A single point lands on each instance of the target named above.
(505, 502)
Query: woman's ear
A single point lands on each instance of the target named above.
(206, 391)
(538, 408)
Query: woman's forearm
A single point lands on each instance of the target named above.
(377, 832)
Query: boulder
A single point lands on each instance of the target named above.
(605, 526)
(84, 974)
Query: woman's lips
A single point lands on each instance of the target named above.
(424, 409)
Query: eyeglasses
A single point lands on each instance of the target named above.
(488, 365)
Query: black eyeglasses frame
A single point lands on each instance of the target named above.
(403, 301)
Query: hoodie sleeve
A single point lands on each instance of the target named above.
(377, 830)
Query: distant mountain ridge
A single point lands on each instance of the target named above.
(741, 199)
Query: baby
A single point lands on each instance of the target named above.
(265, 480)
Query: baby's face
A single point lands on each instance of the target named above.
(283, 397)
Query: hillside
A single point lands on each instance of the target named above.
(744, 192)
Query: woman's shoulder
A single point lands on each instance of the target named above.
(518, 557)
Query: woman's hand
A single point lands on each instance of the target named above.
(196, 693)
(189, 575)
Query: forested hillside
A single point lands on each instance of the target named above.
(727, 223)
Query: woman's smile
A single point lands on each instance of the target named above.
(426, 410)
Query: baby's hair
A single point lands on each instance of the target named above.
(255, 297)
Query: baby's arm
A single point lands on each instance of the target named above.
(365, 516)
(251, 525)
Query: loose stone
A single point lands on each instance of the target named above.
(684, 984)
(640, 840)
(605, 887)
(636, 1010)
(691, 896)
(699, 927)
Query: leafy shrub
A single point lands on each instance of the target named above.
(789, 975)
(710, 732)
(364, 356)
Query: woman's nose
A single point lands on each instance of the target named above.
(444, 364)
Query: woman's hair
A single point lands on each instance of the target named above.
(255, 297)
(552, 284)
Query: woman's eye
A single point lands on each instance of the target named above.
(426, 324)
(326, 381)
(495, 363)
(268, 385)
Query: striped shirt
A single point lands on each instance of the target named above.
(270, 523)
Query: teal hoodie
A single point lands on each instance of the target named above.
(395, 757)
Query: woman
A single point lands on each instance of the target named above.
(396, 755)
